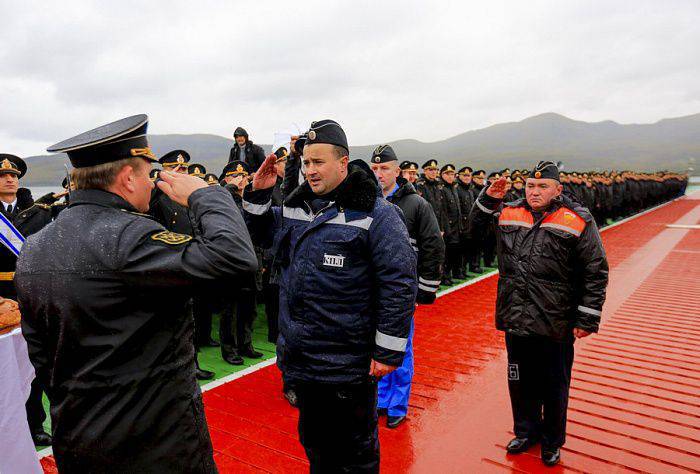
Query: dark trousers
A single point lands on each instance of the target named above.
(203, 309)
(488, 247)
(338, 426)
(469, 252)
(453, 259)
(237, 317)
(539, 374)
(35, 408)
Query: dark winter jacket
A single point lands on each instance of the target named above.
(347, 278)
(431, 191)
(466, 201)
(553, 270)
(454, 216)
(102, 291)
(424, 232)
(254, 155)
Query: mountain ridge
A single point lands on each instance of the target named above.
(668, 143)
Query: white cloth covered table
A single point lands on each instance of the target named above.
(17, 452)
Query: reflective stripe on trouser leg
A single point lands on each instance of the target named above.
(395, 388)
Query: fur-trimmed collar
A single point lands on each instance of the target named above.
(358, 192)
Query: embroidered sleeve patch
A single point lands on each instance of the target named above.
(171, 238)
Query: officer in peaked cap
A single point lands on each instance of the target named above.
(175, 160)
(239, 307)
(114, 322)
(409, 171)
(211, 179)
(468, 248)
(453, 258)
(197, 170)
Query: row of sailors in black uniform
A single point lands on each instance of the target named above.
(450, 193)
(609, 195)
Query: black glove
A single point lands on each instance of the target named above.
(425, 297)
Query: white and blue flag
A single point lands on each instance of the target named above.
(10, 236)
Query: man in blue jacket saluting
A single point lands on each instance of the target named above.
(347, 278)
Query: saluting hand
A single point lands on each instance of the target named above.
(178, 186)
(378, 370)
(497, 190)
(266, 176)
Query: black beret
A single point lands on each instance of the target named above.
(125, 138)
(174, 158)
(545, 170)
(383, 154)
(465, 170)
(240, 132)
(11, 164)
(211, 179)
(235, 167)
(430, 164)
(447, 167)
(197, 170)
(323, 131)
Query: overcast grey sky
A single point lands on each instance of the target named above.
(384, 69)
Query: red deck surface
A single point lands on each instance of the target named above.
(635, 396)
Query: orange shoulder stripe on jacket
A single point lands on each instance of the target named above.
(515, 216)
(566, 220)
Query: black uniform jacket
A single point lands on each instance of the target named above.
(553, 270)
(170, 214)
(454, 216)
(102, 291)
(466, 201)
(424, 234)
(431, 191)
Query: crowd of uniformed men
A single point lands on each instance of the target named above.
(436, 202)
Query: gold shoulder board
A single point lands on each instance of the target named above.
(171, 238)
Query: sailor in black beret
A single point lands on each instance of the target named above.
(545, 170)
(175, 160)
(125, 138)
(197, 170)
(211, 179)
